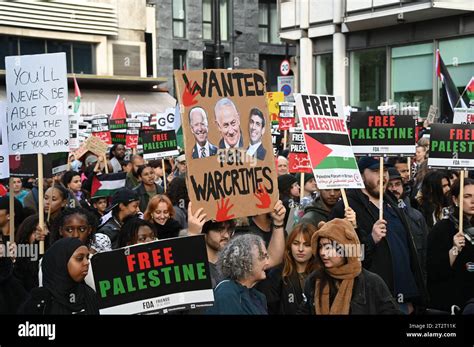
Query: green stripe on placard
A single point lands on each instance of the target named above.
(337, 163)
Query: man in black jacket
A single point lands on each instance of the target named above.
(388, 243)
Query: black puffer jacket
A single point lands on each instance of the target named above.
(370, 295)
(377, 257)
(111, 228)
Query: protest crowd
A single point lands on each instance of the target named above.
(313, 251)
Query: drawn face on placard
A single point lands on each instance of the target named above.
(228, 123)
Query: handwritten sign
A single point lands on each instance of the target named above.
(231, 170)
(37, 115)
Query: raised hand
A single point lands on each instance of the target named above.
(195, 220)
(223, 210)
(263, 196)
(189, 94)
(278, 213)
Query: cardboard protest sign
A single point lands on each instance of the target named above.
(433, 114)
(96, 146)
(4, 158)
(133, 130)
(298, 159)
(373, 133)
(159, 144)
(118, 125)
(27, 165)
(327, 140)
(273, 100)
(231, 172)
(155, 277)
(463, 116)
(79, 153)
(452, 146)
(100, 128)
(37, 114)
(286, 117)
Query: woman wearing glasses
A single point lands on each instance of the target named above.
(242, 263)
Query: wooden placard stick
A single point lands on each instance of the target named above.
(11, 213)
(381, 189)
(41, 199)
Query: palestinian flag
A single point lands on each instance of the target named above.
(452, 92)
(119, 111)
(330, 151)
(107, 184)
(77, 96)
(470, 89)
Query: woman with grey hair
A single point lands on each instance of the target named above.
(242, 262)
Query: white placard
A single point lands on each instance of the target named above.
(37, 115)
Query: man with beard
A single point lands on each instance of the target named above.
(199, 127)
(132, 180)
(117, 154)
(320, 209)
(218, 234)
(388, 243)
(417, 221)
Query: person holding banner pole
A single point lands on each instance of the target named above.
(451, 251)
(389, 247)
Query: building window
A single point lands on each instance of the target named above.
(412, 75)
(368, 78)
(179, 15)
(207, 20)
(179, 60)
(324, 74)
(79, 56)
(268, 21)
(270, 65)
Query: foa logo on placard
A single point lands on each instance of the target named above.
(37, 330)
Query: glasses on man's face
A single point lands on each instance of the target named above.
(225, 231)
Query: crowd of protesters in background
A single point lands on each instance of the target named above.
(294, 260)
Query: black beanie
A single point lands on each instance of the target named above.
(285, 182)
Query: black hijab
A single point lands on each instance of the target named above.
(68, 296)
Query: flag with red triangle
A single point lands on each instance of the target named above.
(77, 96)
(327, 141)
(119, 111)
(470, 89)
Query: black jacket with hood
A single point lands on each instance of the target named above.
(315, 213)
